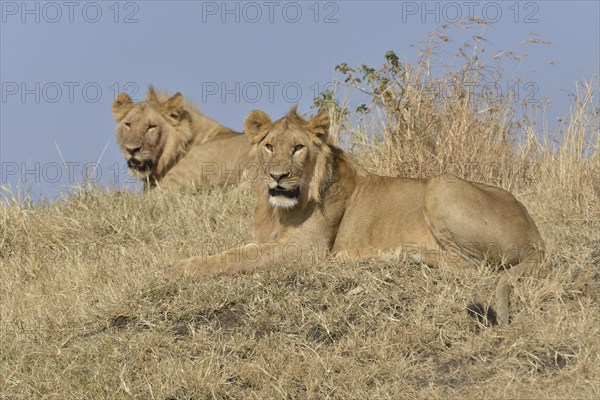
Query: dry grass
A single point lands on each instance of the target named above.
(86, 313)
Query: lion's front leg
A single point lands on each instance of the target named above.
(243, 259)
(193, 267)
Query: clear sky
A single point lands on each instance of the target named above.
(62, 62)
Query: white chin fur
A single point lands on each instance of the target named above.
(283, 202)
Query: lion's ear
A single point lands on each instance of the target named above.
(319, 125)
(121, 106)
(255, 123)
(174, 106)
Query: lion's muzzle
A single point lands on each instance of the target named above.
(280, 191)
(140, 165)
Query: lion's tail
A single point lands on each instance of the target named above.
(485, 315)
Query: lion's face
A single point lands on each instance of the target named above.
(143, 131)
(141, 136)
(287, 153)
(285, 157)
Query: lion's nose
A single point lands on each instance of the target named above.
(132, 149)
(278, 177)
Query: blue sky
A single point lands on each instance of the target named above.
(62, 62)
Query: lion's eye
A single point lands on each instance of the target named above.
(150, 127)
(297, 148)
(127, 124)
(269, 146)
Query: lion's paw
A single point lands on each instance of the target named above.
(187, 267)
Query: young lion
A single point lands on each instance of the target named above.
(168, 143)
(315, 195)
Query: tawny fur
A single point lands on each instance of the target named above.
(176, 145)
(344, 210)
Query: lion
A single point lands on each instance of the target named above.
(315, 196)
(168, 143)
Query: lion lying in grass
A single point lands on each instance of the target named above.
(168, 143)
(313, 195)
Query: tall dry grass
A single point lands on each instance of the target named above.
(86, 313)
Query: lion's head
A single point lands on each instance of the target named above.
(293, 156)
(152, 134)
